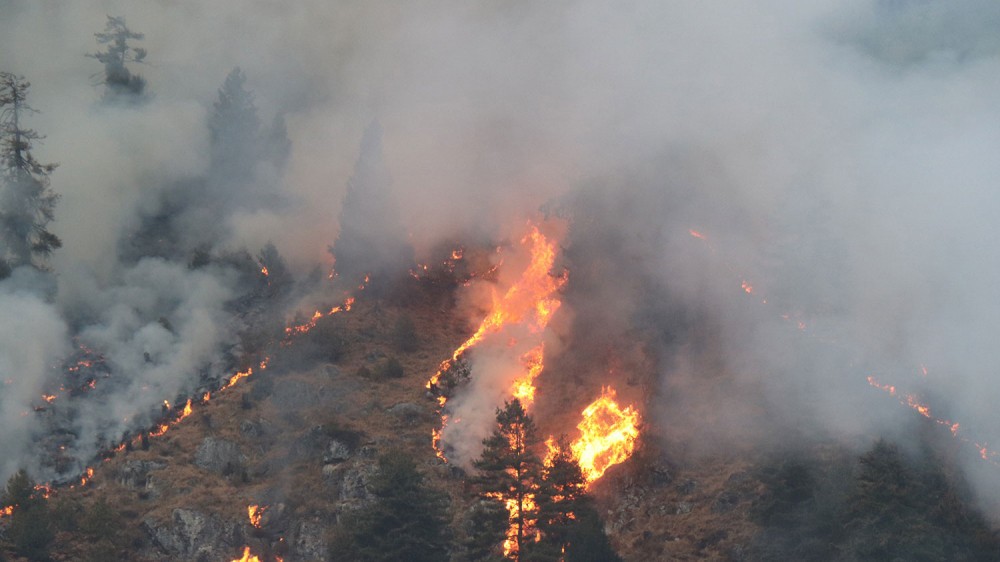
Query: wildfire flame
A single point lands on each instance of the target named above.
(255, 512)
(247, 557)
(530, 301)
(303, 328)
(607, 435)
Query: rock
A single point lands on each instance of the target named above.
(354, 486)
(683, 507)
(687, 487)
(332, 371)
(135, 474)
(408, 412)
(220, 456)
(336, 451)
(329, 472)
(309, 541)
(259, 429)
(193, 535)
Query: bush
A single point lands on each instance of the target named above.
(390, 369)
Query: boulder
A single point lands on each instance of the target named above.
(135, 474)
(192, 535)
(220, 456)
(310, 543)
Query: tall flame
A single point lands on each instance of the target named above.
(607, 435)
(247, 557)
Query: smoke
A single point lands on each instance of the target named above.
(836, 156)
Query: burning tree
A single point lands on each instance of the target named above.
(371, 241)
(26, 204)
(120, 83)
(30, 530)
(510, 472)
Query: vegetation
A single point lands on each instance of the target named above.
(120, 83)
(30, 531)
(27, 204)
(883, 506)
(407, 520)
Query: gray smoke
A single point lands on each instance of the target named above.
(838, 156)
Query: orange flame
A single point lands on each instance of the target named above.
(303, 328)
(524, 387)
(255, 512)
(247, 557)
(533, 292)
(607, 435)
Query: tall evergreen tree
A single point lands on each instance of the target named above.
(371, 243)
(30, 530)
(407, 520)
(561, 496)
(510, 472)
(27, 204)
(120, 83)
(234, 126)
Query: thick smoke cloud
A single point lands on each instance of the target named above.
(838, 156)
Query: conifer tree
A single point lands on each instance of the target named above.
(120, 83)
(510, 471)
(407, 520)
(27, 204)
(234, 126)
(30, 530)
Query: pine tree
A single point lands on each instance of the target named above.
(371, 242)
(120, 83)
(30, 530)
(27, 205)
(510, 472)
(561, 497)
(407, 520)
(234, 127)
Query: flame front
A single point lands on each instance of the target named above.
(607, 435)
(247, 557)
(531, 301)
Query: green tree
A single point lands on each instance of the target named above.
(30, 530)
(510, 471)
(27, 204)
(120, 83)
(407, 520)
(561, 496)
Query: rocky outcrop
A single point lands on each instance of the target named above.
(136, 475)
(220, 456)
(192, 535)
(310, 543)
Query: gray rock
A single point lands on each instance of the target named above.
(408, 412)
(220, 456)
(192, 535)
(135, 474)
(309, 541)
(336, 451)
(683, 507)
(354, 486)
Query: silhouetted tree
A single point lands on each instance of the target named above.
(561, 495)
(510, 470)
(30, 530)
(27, 205)
(234, 126)
(119, 82)
(407, 520)
(371, 241)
